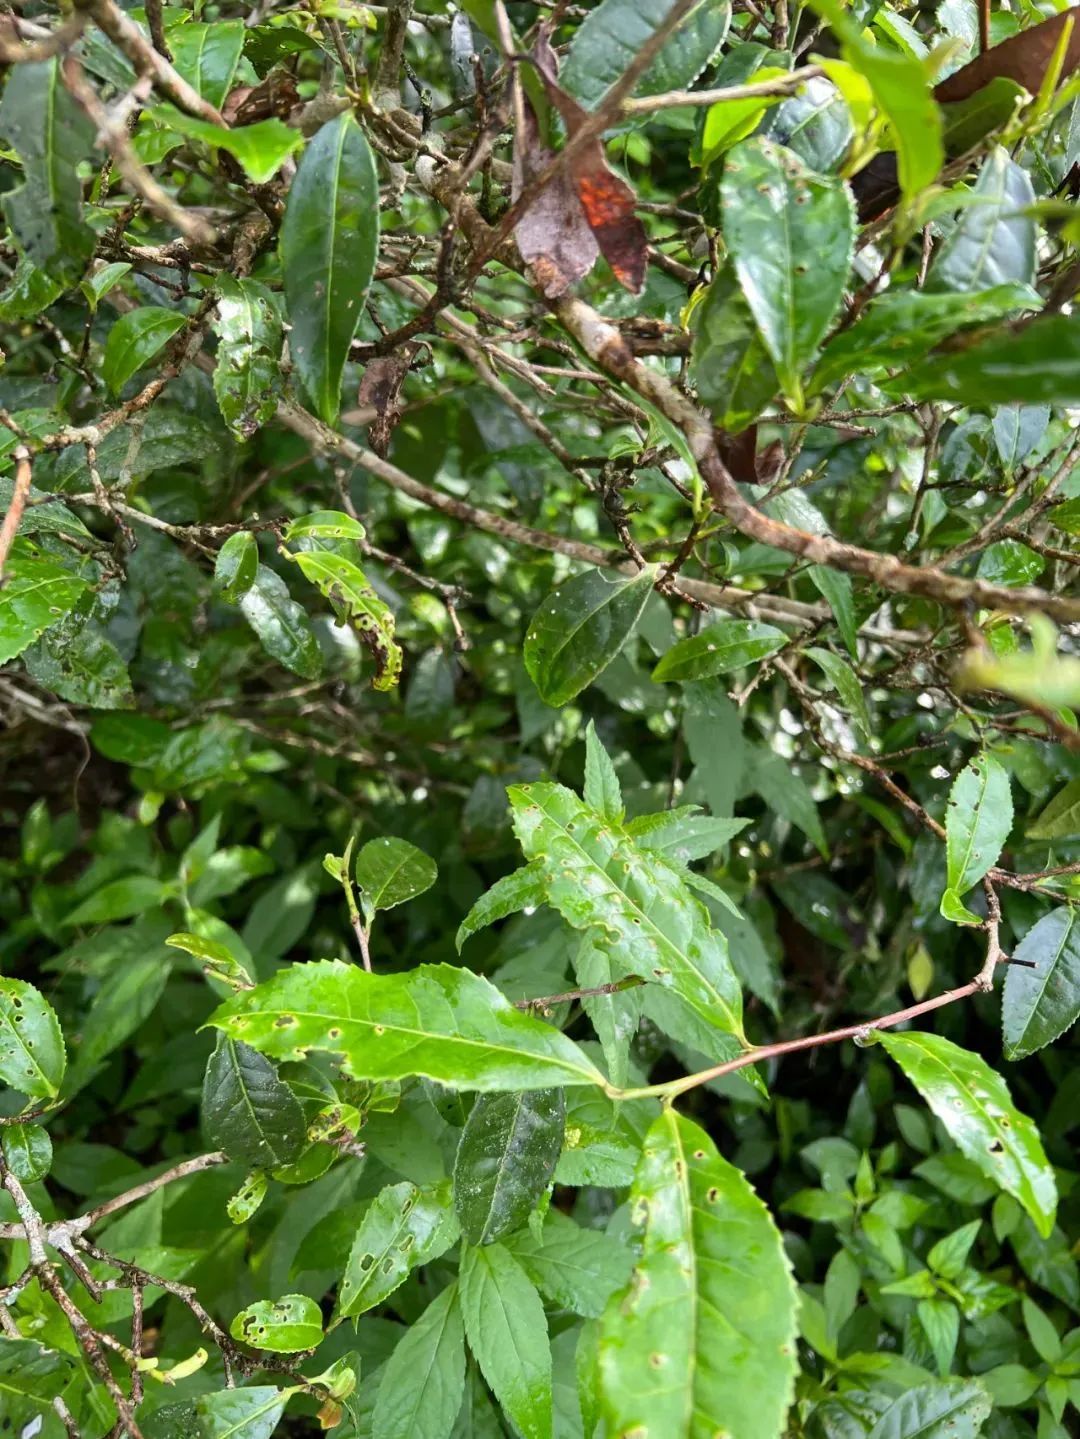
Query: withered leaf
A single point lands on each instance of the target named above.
(380, 388)
(1023, 58)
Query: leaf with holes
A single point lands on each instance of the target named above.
(32, 1054)
(703, 1339)
(247, 373)
(436, 1020)
(646, 919)
(404, 1228)
(505, 1159)
(37, 594)
(354, 602)
(281, 1326)
(973, 1103)
(247, 1110)
(578, 630)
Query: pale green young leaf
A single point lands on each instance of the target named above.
(405, 1227)
(521, 889)
(423, 1381)
(602, 791)
(32, 1054)
(1060, 819)
(977, 821)
(134, 340)
(282, 1326)
(508, 1334)
(36, 595)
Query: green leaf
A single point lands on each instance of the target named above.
(682, 835)
(250, 1413)
(96, 286)
(1061, 817)
(977, 821)
(729, 363)
(993, 241)
(329, 238)
(325, 525)
(122, 899)
(281, 624)
(507, 1332)
(354, 601)
(31, 1377)
(969, 121)
(207, 56)
(36, 595)
(32, 1054)
(28, 293)
(719, 649)
(949, 1409)
(615, 30)
(404, 1228)
(580, 628)
(578, 1269)
(134, 340)
(505, 1159)
(835, 585)
(282, 1326)
(602, 790)
(423, 1381)
(939, 1320)
(247, 1110)
(236, 565)
(791, 234)
(1036, 363)
(52, 135)
(703, 1340)
(845, 682)
(436, 1020)
(729, 121)
(1038, 1005)
(973, 1103)
(247, 374)
(77, 661)
(901, 92)
(261, 148)
(27, 1152)
(391, 871)
(522, 889)
(647, 920)
(788, 795)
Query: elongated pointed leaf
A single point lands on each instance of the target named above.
(405, 1227)
(505, 1159)
(977, 821)
(329, 238)
(346, 587)
(647, 920)
(729, 362)
(951, 1409)
(703, 1340)
(602, 791)
(261, 148)
(1039, 1004)
(135, 339)
(973, 1103)
(791, 235)
(438, 1021)
(1036, 363)
(424, 1379)
(1061, 817)
(207, 56)
(32, 1054)
(580, 629)
(52, 135)
(522, 889)
(718, 649)
(281, 624)
(507, 1332)
(615, 30)
(247, 1110)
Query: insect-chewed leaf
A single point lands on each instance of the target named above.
(977, 821)
(32, 1054)
(505, 1159)
(435, 1020)
(355, 602)
(282, 1326)
(404, 1227)
(647, 920)
(247, 376)
(973, 1103)
(702, 1342)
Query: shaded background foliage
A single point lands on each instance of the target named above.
(200, 727)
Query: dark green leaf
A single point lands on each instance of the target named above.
(1036, 363)
(791, 235)
(31, 1377)
(52, 135)
(207, 56)
(247, 1110)
(578, 630)
(28, 1152)
(32, 1055)
(615, 30)
(719, 649)
(1061, 817)
(729, 362)
(76, 660)
(404, 1228)
(703, 1339)
(507, 1332)
(281, 1326)
(505, 1159)
(1040, 1004)
(134, 340)
(950, 1409)
(329, 237)
(436, 1020)
(281, 624)
(237, 564)
(424, 1379)
(846, 684)
(974, 1105)
(28, 293)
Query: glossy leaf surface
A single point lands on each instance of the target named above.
(1039, 1004)
(405, 1227)
(505, 1159)
(247, 1110)
(578, 630)
(32, 1054)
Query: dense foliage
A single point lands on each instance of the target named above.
(541, 772)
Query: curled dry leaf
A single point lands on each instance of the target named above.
(380, 388)
(587, 210)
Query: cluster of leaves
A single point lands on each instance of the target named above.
(505, 888)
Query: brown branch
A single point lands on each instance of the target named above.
(127, 36)
(548, 1001)
(670, 99)
(19, 495)
(14, 50)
